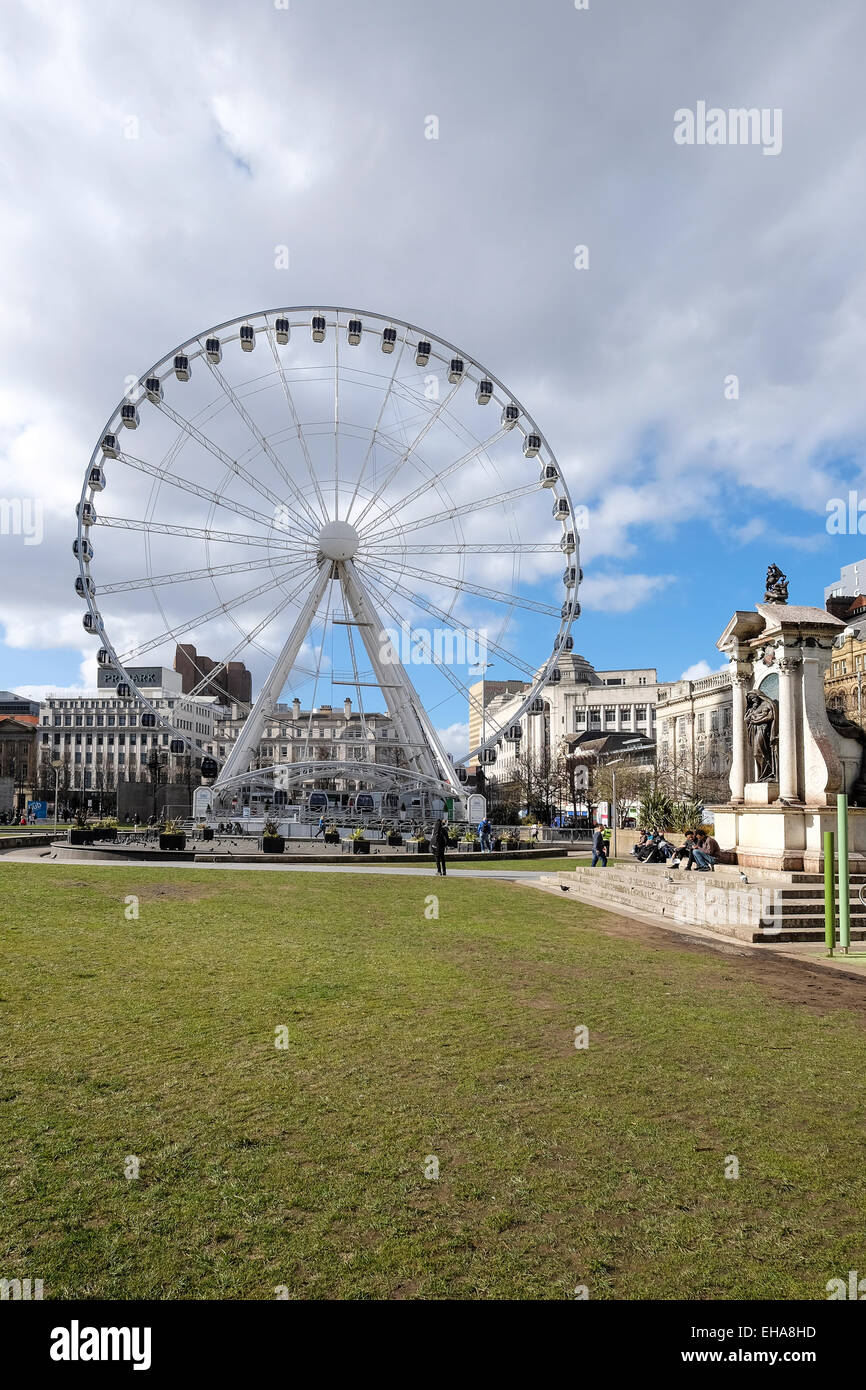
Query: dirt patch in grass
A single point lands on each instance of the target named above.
(783, 980)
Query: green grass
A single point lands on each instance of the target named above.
(517, 861)
(408, 1037)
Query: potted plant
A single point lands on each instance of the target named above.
(80, 833)
(332, 834)
(471, 842)
(360, 843)
(418, 844)
(171, 836)
(272, 841)
(206, 831)
(394, 838)
(513, 842)
(497, 843)
(453, 836)
(105, 829)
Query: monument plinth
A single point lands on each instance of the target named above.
(790, 756)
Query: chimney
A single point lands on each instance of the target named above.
(296, 708)
(347, 707)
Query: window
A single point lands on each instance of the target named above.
(700, 722)
(640, 713)
(594, 714)
(609, 713)
(714, 721)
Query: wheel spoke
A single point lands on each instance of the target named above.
(300, 433)
(207, 494)
(454, 622)
(463, 586)
(407, 453)
(385, 399)
(201, 533)
(464, 510)
(183, 576)
(439, 477)
(217, 611)
(263, 444)
(416, 636)
(465, 548)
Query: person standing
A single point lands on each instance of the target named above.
(599, 848)
(439, 842)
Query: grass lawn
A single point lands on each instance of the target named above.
(518, 861)
(407, 1038)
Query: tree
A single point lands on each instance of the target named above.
(541, 780)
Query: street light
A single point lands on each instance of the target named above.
(57, 764)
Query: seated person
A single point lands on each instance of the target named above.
(704, 853)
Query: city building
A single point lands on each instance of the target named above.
(10, 703)
(294, 735)
(851, 581)
(233, 683)
(101, 740)
(17, 755)
(582, 701)
(694, 735)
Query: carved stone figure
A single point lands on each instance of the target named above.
(846, 728)
(762, 726)
(777, 586)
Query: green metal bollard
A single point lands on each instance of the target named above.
(829, 894)
(844, 876)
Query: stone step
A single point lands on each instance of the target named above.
(802, 926)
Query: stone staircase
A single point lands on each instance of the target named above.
(770, 907)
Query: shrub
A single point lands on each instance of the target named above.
(656, 811)
(686, 815)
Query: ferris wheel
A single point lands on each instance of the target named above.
(343, 502)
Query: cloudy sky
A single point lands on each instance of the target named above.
(153, 158)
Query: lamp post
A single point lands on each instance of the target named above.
(57, 764)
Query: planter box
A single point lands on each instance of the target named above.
(105, 832)
(497, 845)
(513, 845)
(332, 839)
(81, 837)
(469, 846)
(172, 842)
(395, 840)
(273, 844)
(207, 833)
(360, 846)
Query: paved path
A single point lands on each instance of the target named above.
(36, 856)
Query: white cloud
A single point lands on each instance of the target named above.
(455, 739)
(620, 593)
(701, 669)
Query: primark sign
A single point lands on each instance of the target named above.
(145, 677)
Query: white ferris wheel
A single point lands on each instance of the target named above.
(345, 503)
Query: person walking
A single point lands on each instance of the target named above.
(321, 829)
(439, 843)
(599, 848)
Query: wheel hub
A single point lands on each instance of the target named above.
(338, 540)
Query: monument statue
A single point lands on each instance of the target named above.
(777, 586)
(762, 725)
(848, 729)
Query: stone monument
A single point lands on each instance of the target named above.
(790, 755)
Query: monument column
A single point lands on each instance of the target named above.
(787, 664)
(737, 781)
